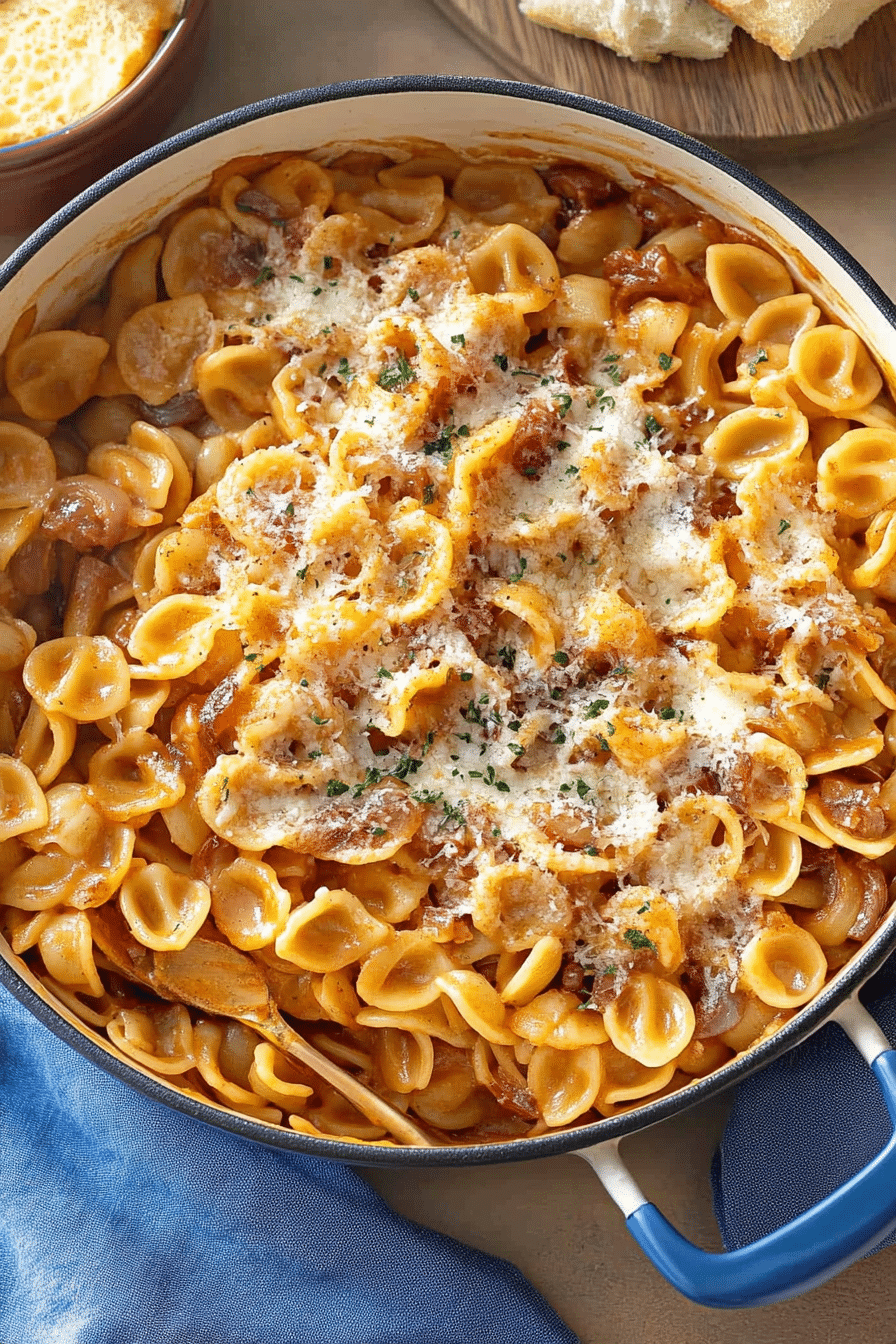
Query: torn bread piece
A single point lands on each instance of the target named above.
(643, 30)
(62, 59)
(793, 28)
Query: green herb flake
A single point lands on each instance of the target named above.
(429, 494)
(266, 273)
(384, 673)
(760, 357)
(460, 339)
(665, 362)
(783, 526)
(396, 377)
(639, 941)
(454, 816)
(563, 402)
(344, 370)
(412, 294)
(653, 426)
(319, 721)
(561, 658)
(595, 708)
(524, 565)
(501, 361)
(302, 573)
(335, 787)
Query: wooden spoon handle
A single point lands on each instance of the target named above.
(368, 1103)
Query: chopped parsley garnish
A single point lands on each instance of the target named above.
(443, 444)
(319, 721)
(396, 377)
(507, 657)
(524, 565)
(760, 357)
(620, 670)
(344, 370)
(665, 362)
(516, 748)
(266, 273)
(302, 573)
(595, 708)
(429, 494)
(290, 509)
(667, 713)
(639, 941)
(454, 816)
(427, 796)
(561, 658)
(378, 830)
(412, 294)
(335, 787)
(328, 262)
(653, 426)
(384, 673)
(824, 676)
(459, 339)
(783, 526)
(582, 789)
(563, 402)
(501, 361)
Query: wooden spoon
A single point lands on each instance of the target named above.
(216, 978)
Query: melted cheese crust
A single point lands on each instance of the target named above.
(509, 648)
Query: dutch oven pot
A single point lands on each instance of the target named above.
(67, 259)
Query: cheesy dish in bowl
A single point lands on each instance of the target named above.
(447, 635)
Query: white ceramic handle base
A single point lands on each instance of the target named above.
(805, 1252)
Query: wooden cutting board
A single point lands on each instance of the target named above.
(747, 97)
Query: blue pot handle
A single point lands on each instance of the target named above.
(804, 1253)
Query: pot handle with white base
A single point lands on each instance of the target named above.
(815, 1246)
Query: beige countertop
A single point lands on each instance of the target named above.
(552, 1218)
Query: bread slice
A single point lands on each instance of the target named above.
(643, 30)
(793, 28)
(61, 59)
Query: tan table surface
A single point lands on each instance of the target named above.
(552, 1218)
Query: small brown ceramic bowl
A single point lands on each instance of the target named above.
(39, 176)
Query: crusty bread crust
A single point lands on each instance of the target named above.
(643, 30)
(793, 28)
(62, 59)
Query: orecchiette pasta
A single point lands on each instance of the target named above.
(461, 593)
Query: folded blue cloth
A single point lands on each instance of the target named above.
(123, 1220)
(802, 1127)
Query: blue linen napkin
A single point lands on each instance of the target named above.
(802, 1127)
(123, 1220)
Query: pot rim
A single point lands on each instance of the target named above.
(809, 1018)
